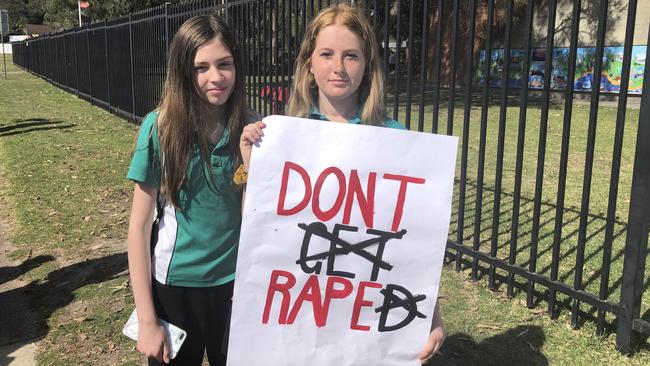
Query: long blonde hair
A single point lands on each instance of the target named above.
(180, 113)
(371, 90)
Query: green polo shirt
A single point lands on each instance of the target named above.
(314, 113)
(197, 242)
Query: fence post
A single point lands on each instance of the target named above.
(76, 59)
(108, 72)
(65, 59)
(132, 73)
(167, 38)
(90, 74)
(636, 246)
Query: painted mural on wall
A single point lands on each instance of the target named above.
(610, 79)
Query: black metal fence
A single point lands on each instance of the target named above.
(543, 198)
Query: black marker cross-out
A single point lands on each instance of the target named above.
(339, 246)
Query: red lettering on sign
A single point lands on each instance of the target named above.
(283, 288)
(311, 293)
(401, 197)
(366, 202)
(347, 192)
(360, 302)
(282, 211)
(333, 293)
(325, 216)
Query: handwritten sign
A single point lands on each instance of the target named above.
(342, 243)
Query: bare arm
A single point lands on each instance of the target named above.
(251, 135)
(151, 337)
(436, 336)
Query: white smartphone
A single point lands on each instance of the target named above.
(175, 335)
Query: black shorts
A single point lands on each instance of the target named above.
(204, 313)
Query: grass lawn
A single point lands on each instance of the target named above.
(64, 193)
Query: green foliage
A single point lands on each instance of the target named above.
(63, 14)
(105, 10)
(60, 14)
(22, 12)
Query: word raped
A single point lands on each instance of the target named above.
(336, 283)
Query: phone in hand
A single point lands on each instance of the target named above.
(175, 335)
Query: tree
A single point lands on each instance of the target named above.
(21, 13)
(63, 14)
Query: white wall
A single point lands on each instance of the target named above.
(7, 48)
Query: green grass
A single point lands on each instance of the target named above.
(63, 164)
(598, 197)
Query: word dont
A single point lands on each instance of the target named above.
(348, 190)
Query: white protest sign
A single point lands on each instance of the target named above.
(342, 244)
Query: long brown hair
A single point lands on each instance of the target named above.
(371, 90)
(180, 121)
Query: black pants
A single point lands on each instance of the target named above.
(204, 313)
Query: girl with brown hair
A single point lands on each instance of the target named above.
(183, 166)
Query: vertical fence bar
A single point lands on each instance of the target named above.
(304, 18)
(283, 60)
(450, 120)
(290, 58)
(253, 55)
(519, 162)
(48, 46)
(386, 40)
(248, 47)
(108, 74)
(274, 55)
(261, 57)
(452, 90)
(167, 35)
(541, 157)
(436, 70)
(478, 207)
(566, 129)
(616, 161)
(398, 46)
(132, 63)
(423, 65)
(65, 60)
(589, 158)
(55, 51)
(46, 57)
(90, 74)
(409, 67)
(76, 60)
(268, 48)
(374, 15)
(498, 176)
(636, 244)
(466, 123)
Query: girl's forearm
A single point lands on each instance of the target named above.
(436, 320)
(140, 273)
(138, 242)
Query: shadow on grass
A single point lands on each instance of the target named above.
(516, 346)
(540, 295)
(21, 126)
(12, 272)
(597, 224)
(26, 310)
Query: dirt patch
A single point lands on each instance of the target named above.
(16, 336)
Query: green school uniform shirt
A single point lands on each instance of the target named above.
(314, 113)
(197, 242)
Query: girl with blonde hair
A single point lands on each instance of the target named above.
(183, 168)
(338, 77)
